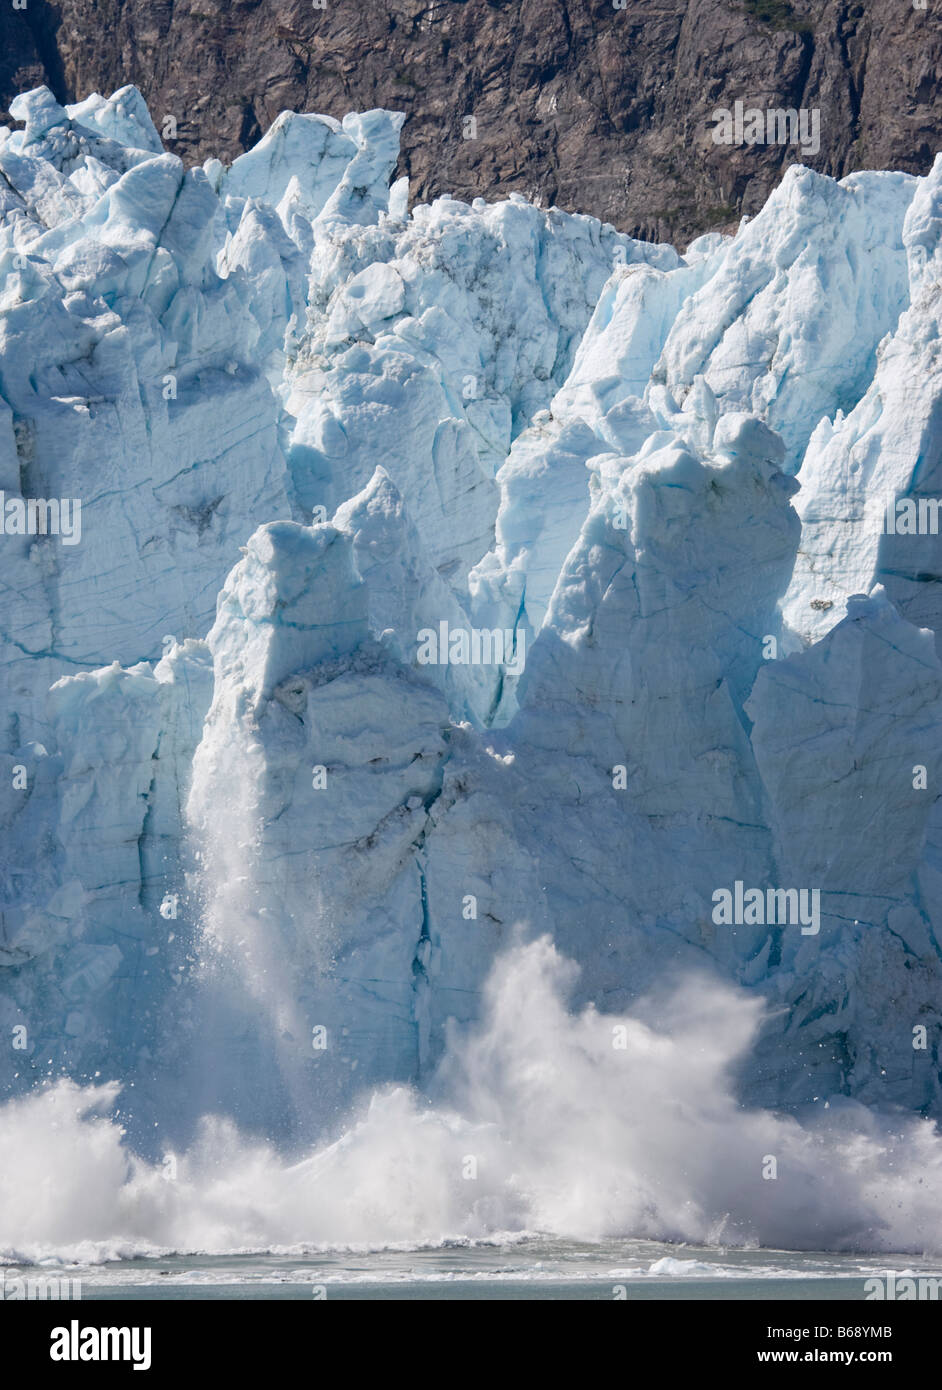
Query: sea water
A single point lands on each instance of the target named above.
(541, 1269)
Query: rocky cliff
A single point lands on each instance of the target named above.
(574, 102)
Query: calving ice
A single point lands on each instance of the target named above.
(76, 1343)
(42, 516)
(770, 907)
(289, 845)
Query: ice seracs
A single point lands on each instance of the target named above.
(306, 428)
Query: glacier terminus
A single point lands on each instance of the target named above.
(461, 699)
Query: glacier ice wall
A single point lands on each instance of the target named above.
(305, 427)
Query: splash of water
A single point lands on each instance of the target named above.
(581, 1125)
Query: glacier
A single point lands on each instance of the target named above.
(263, 865)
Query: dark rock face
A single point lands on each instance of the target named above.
(595, 108)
